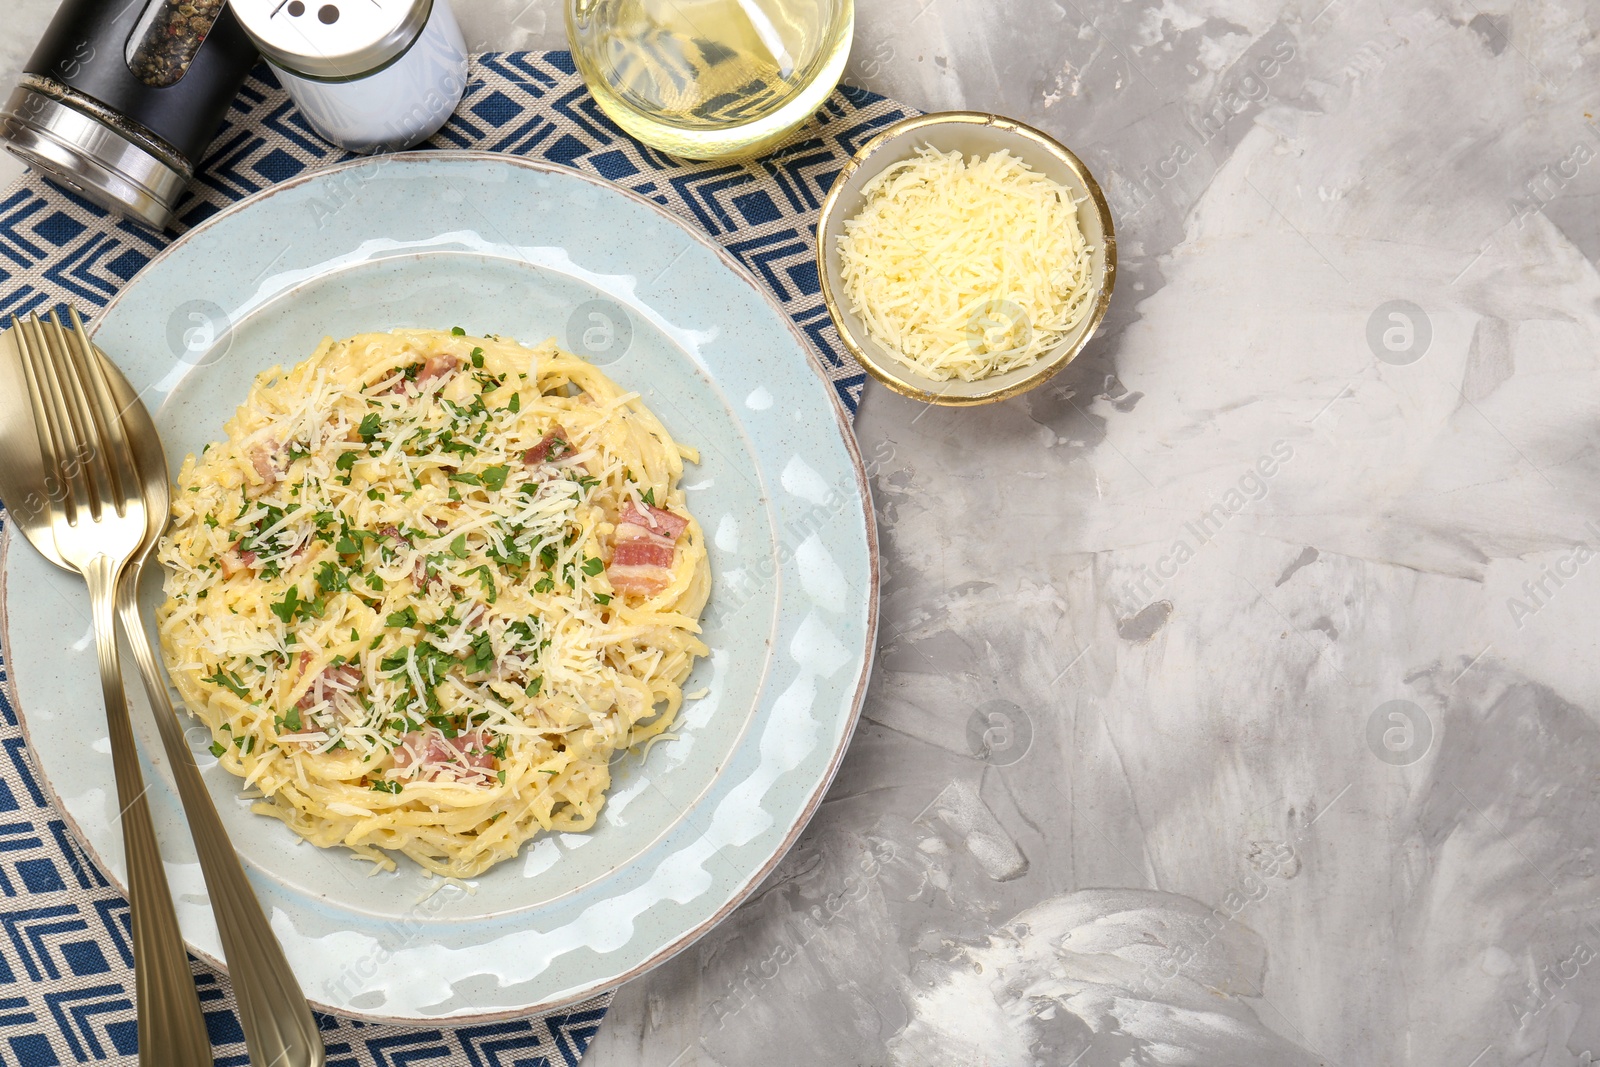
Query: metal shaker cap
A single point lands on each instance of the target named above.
(332, 40)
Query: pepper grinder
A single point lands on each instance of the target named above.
(120, 99)
(369, 75)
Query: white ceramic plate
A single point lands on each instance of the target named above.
(500, 245)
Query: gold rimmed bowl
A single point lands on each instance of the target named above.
(971, 133)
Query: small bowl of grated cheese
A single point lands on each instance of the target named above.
(964, 257)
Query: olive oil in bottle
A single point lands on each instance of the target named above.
(710, 79)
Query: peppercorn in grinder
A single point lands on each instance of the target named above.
(121, 98)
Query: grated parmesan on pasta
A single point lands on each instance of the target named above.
(394, 594)
(965, 268)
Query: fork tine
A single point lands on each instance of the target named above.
(48, 418)
(82, 442)
(114, 456)
(43, 417)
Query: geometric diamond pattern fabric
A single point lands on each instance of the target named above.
(66, 978)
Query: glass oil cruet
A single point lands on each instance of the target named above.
(710, 79)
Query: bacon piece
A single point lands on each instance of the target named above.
(440, 365)
(419, 574)
(643, 552)
(264, 458)
(656, 520)
(645, 545)
(646, 581)
(552, 445)
(464, 758)
(342, 679)
(302, 663)
(234, 561)
(394, 532)
(310, 733)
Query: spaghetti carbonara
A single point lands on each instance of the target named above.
(428, 587)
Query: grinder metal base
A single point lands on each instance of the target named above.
(73, 148)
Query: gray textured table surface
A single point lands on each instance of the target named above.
(1276, 606)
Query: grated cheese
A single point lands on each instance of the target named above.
(966, 268)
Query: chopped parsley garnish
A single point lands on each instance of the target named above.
(448, 443)
(400, 619)
(481, 656)
(330, 579)
(593, 566)
(229, 681)
(508, 556)
(292, 606)
(218, 748)
(477, 358)
(486, 579)
(457, 331)
(371, 423)
(458, 547)
(350, 538)
(387, 787)
(515, 404)
(649, 496)
(495, 477)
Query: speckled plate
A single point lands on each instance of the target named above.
(506, 246)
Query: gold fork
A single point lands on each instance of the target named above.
(98, 522)
(279, 1029)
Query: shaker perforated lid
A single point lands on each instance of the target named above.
(332, 40)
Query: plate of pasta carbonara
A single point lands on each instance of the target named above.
(519, 595)
(427, 587)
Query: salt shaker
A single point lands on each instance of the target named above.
(369, 75)
(120, 99)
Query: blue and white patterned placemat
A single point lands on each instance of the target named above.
(66, 979)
